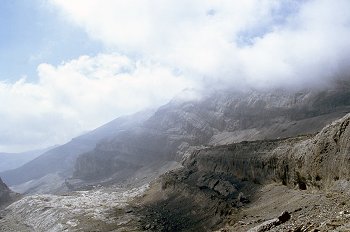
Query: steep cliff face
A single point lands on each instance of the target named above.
(216, 181)
(300, 161)
(215, 119)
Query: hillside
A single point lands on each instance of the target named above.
(115, 151)
(10, 161)
(60, 160)
(230, 185)
(215, 119)
(6, 195)
(293, 184)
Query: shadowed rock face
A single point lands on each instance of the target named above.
(219, 179)
(6, 195)
(219, 118)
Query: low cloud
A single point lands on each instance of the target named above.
(168, 46)
(78, 96)
(257, 43)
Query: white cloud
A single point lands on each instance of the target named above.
(259, 42)
(310, 49)
(78, 96)
(192, 35)
(168, 45)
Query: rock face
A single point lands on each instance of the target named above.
(268, 225)
(216, 119)
(219, 180)
(304, 161)
(6, 195)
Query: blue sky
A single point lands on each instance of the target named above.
(31, 33)
(87, 62)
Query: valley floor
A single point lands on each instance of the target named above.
(104, 209)
(112, 209)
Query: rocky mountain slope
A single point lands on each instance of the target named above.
(6, 195)
(217, 118)
(146, 139)
(10, 161)
(299, 183)
(223, 186)
(59, 162)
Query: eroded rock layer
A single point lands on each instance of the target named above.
(216, 181)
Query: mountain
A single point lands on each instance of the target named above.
(130, 144)
(306, 176)
(299, 183)
(10, 161)
(60, 160)
(218, 118)
(249, 160)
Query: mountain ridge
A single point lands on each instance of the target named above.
(14, 160)
(223, 176)
(131, 143)
(61, 159)
(218, 118)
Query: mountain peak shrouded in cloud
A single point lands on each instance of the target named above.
(154, 49)
(80, 95)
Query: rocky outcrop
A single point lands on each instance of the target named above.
(268, 225)
(6, 195)
(216, 119)
(218, 180)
